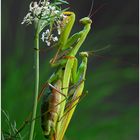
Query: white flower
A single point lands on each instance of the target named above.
(43, 37)
(44, 3)
(32, 6)
(46, 37)
(52, 8)
(47, 31)
(48, 42)
(35, 8)
(59, 31)
(55, 38)
(27, 19)
(45, 12)
(56, 12)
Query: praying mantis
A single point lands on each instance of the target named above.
(68, 74)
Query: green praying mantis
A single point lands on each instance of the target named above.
(67, 74)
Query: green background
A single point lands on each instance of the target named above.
(110, 110)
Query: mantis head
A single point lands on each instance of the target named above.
(83, 54)
(85, 20)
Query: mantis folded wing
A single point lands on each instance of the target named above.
(50, 110)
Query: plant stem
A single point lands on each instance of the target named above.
(36, 66)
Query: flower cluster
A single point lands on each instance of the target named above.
(48, 37)
(42, 10)
(47, 14)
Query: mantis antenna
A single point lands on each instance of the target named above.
(98, 50)
(91, 8)
(100, 7)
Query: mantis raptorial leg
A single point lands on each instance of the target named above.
(77, 75)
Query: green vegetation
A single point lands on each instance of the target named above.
(110, 110)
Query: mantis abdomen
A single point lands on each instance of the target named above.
(50, 109)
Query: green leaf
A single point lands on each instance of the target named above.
(59, 2)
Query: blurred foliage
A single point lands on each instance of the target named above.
(110, 110)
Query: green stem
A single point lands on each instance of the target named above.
(36, 66)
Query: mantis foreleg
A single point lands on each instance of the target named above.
(76, 93)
